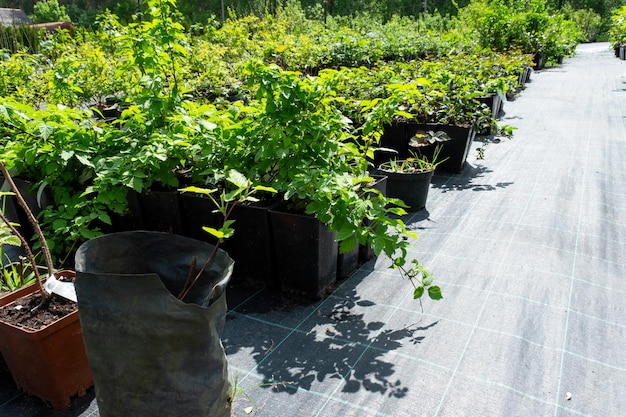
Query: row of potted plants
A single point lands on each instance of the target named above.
(80, 66)
(528, 25)
(289, 137)
(99, 158)
(300, 148)
(617, 32)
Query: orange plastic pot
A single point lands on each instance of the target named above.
(49, 363)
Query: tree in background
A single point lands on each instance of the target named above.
(590, 23)
(49, 11)
(602, 7)
(84, 12)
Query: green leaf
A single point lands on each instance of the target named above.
(66, 155)
(411, 234)
(207, 125)
(29, 156)
(136, 184)
(427, 278)
(238, 179)
(45, 130)
(263, 188)
(227, 230)
(90, 234)
(419, 291)
(197, 190)
(84, 161)
(348, 244)
(59, 224)
(434, 293)
(212, 231)
(345, 233)
(10, 240)
(105, 218)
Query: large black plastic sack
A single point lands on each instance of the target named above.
(150, 353)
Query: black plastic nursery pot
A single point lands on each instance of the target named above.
(305, 253)
(150, 353)
(539, 61)
(453, 152)
(198, 211)
(161, 211)
(396, 138)
(524, 76)
(250, 246)
(131, 220)
(347, 262)
(393, 143)
(494, 102)
(410, 187)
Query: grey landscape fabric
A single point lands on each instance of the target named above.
(529, 247)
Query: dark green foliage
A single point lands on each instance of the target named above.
(84, 12)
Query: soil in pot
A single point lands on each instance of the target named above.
(28, 312)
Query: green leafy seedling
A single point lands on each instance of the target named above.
(241, 189)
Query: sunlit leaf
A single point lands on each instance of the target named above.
(264, 188)
(45, 130)
(197, 190)
(214, 232)
(238, 179)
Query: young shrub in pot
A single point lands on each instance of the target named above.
(48, 361)
(152, 308)
(409, 179)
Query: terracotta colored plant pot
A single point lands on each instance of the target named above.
(49, 363)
